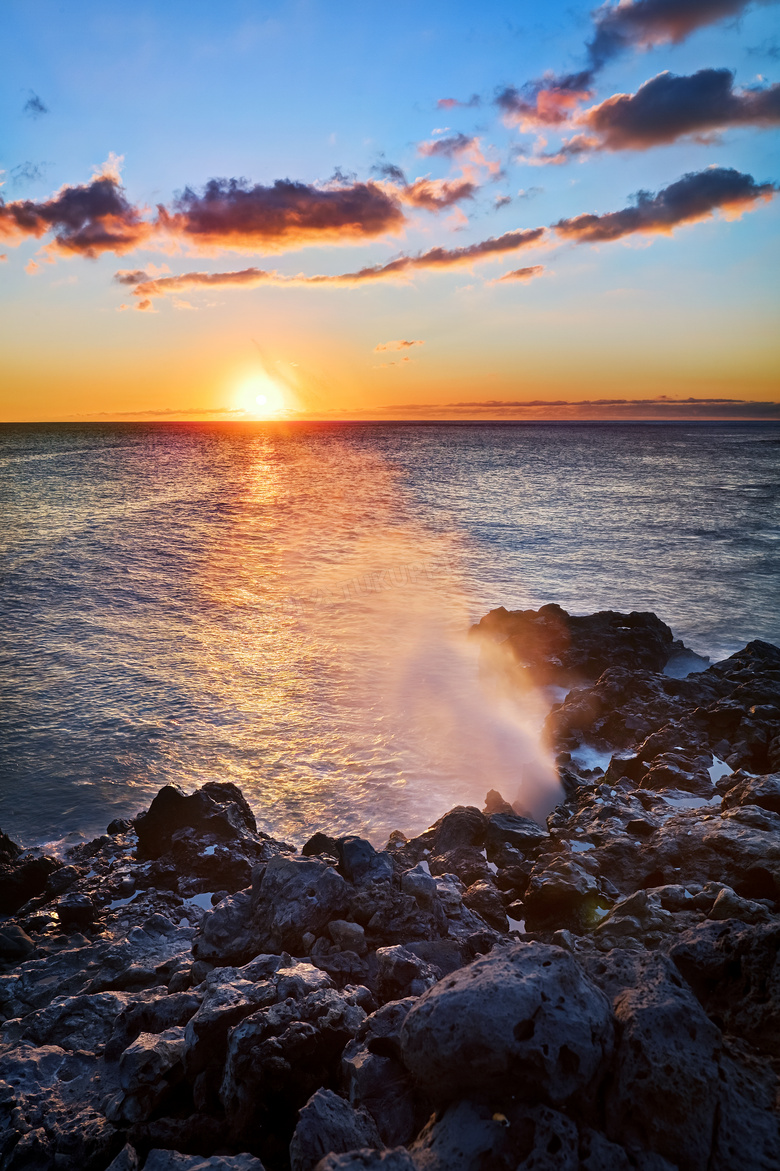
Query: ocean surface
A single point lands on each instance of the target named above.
(285, 606)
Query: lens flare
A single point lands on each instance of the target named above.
(261, 397)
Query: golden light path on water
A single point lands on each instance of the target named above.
(356, 697)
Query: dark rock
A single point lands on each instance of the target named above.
(521, 832)
(15, 944)
(173, 1161)
(376, 1080)
(483, 897)
(76, 911)
(463, 826)
(329, 1125)
(120, 825)
(216, 808)
(297, 896)
(23, 876)
(397, 1159)
(227, 935)
(402, 973)
(761, 791)
(525, 1016)
(467, 862)
(495, 803)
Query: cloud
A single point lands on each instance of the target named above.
(502, 201)
(548, 101)
(230, 214)
(452, 147)
(437, 194)
(453, 103)
(668, 107)
(28, 173)
(522, 274)
(390, 171)
(641, 24)
(399, 269)
(399, 345)
(86, 220)
(34, 107)
(694, 197)
(658, 407)
(618, 27)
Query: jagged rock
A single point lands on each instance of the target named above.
(508, 829)
(467, 862)
(484, 899)
(279, 1056)
(173, 1161)
(734, 969)
(227, 935)
(663, 1092)
(401, 973)
(375, 1078)
(329, 1125)
(348, 936)
(761, 791)
(147, 1070)
(15, 944)
(217, 808)
(525, 1016)
(23, 874)
(419, 881)
(398, 1159)
(297, 896)
(562, 892)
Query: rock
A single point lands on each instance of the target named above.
(463, 827)
(398, 1159)
(279, 1056)
(483, 898)
(15, 944)
(734, 969)
(327, 1125)
(729, 905)
(663, 1092)
(127, 1159)
(419, 882)
(376, 1080)
(216, 808)
(562, 892)
(761, 791)
(495, 803)
(358, 861)
(173, 1161)
(227, 935)
(76, 911)
(23, 875)
(510, 829)
(297, 896)
(525, 1017)
(402, 973)
(348, 936)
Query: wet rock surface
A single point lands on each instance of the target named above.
(601, 992)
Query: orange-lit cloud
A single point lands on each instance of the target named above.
(550, 101)
(400, 268)
(461, 148)
(522, 274)
(437, 194)
(397, 345)
(227, 214)
(86, 220)
(666, 108)
(696, 196)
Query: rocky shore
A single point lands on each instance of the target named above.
(594, 994)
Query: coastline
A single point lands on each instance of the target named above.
(606, 985)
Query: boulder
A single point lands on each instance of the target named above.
(216, 808)
(296, 896)
(173, 1161)
(524, 1021)
(376, 1080)
(397, 1159)
(327, 1125)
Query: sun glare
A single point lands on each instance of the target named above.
(261, 398)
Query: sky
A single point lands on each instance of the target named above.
(301, 210)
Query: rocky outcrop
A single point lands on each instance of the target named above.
(601, 992)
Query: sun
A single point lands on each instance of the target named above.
(260, 397)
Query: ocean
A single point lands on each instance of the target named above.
(286, 606)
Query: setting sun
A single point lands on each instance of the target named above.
(260, 397)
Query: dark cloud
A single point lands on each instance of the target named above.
(85, 220)
(34, 107)
(659, 407)
(696, 196)
(669, 107)
(385, 170)
(618, 27)
(229, 214)
(502, 201)
(399, 269)
(643, 23)
(437, 194)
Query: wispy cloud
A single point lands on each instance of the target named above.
(399, 269)
(397, 345)
(34, 107)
